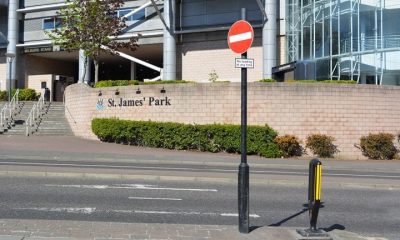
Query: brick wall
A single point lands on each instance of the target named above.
(345, 112)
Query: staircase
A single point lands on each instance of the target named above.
(53, 122)
(19, 119)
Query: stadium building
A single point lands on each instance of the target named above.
(186, 39)
(343, 39)
(195, 47)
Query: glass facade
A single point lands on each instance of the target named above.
(346, 39)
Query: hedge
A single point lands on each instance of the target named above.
(115, 83)
(210, 138)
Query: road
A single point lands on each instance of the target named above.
(358, 199)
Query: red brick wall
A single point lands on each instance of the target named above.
(345, 112)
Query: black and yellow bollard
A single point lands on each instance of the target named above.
(314, 192)
(314, 200)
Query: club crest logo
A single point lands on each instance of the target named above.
(100, 104)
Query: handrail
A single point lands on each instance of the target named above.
(6, 113)
(34, 116)
(15, 100)
(3, 117)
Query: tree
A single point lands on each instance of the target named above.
(93, 26)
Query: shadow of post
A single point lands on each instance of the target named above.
(334, 227)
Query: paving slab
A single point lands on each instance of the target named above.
(81, 230)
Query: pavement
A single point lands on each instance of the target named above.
(74, 149)
(69, 230)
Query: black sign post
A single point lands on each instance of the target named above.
(243, 184)
(243, 167)
(240, 39)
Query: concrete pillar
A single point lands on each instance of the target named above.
(169, 70)
(133, 71)
(81, 68)
(12, 38)
(269, 38)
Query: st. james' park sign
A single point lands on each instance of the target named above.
(132, 102)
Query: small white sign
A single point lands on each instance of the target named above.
(244, 63)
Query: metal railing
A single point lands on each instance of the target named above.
(34, 117)
(8, 111)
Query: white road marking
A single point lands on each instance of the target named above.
(149, 198)
(184, 213)
(133, 186)
(67, 210)
(240, 37)
(237, 215)
(94, 210)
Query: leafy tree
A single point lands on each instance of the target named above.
(93, 26)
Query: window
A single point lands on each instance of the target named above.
(141, 15)
(52, 23)
(43, 85)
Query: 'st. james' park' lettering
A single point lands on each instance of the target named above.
(159, 102)
(121, 102)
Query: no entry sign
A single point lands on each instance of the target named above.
(240, 36)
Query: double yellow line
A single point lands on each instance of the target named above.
(318, 182)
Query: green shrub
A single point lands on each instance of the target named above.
(3, 96)
(114, 83)
(321, 145)
(289, 146)
(211, 138)
(378, 146)
(28, 94)
(268, 80)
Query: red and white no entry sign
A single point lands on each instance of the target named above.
(240, 36)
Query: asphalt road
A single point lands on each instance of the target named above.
(90, 181)
(368, 211)
(281, 169)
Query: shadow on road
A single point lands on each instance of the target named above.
(305, 209)
(334, 227)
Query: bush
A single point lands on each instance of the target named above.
(28, 94)
(24, 95)
(289, 146)
(378, 146)
(211, 138)
(268, 80)
(3, 96)
(321, 145)
(114, 83)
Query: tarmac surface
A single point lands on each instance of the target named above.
(73, 149)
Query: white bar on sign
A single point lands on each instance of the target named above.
(240, 37)
(244, 63)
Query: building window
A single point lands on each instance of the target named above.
(141, 15)
(43, 85)
(51, 23)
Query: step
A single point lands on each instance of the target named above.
(53, 121)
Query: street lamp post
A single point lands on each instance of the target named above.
(10, 59)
